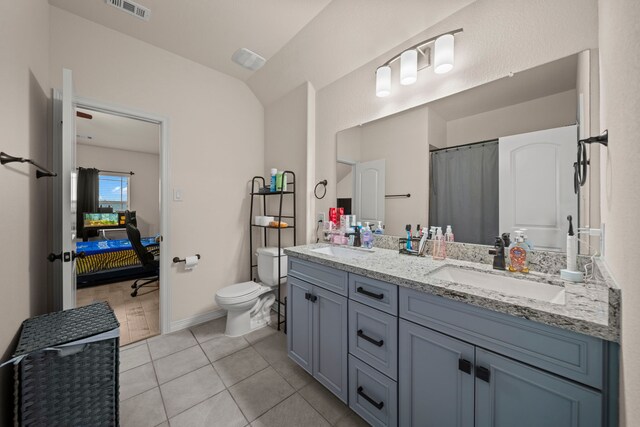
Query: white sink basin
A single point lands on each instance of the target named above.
(343, 252)
(506, 285)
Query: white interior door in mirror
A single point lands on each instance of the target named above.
(536, 185)
(369, 190)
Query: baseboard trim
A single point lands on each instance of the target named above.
(188, 322)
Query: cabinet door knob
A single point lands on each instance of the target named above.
(483, 373)
(465, 366)
(378, 405)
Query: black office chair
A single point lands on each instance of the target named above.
(147, 259)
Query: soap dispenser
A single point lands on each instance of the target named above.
(439, 245)
(518, 254)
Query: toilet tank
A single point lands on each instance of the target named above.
(268, 265)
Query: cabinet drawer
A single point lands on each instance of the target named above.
(372, 395)
(374, 293)
(373, 338)
(319, 275)
(569, 354)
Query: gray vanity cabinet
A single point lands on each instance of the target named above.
(515, 394)
(435, 379)
(317, 333)
(330, 341)
(300, 322)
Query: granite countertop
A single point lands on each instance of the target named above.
(591, 308)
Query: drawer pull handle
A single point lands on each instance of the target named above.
(378, 405)
(483, 373)
(464, 366)
(368, 338)
(363, 291)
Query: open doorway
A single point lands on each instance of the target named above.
(118, 219)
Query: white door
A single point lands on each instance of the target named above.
(369, 190)
(536, 185)
(64, 193)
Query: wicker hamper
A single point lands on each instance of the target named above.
(66, 372)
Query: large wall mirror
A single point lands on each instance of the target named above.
(492, 159)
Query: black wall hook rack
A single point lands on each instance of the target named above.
(177, 260)
(42, 171)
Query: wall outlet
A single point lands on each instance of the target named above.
(177, 195)
(320, 217)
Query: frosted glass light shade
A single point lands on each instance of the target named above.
(383, 81)
(409, 67)
(443, 56)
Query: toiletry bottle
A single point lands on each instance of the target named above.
(448, 235)
(279, 181)
(408, 230)
(379, 229)
(432, 232)
(272, 187)
(367, 238)
(572, 247)
(439, 245)
(418, 230)
(518, 254)
(422, 247)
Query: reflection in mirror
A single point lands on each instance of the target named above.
(492, 159)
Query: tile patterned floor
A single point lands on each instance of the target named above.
(199, 377)
(139, 317)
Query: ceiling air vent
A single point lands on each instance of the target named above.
(248, 59)
(131, 8)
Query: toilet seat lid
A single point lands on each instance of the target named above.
(238, 290)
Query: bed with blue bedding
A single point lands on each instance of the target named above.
(108, 261)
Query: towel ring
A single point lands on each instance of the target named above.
(315, 190)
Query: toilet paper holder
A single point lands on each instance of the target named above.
(177, 260)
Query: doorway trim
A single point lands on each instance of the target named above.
(118, 110)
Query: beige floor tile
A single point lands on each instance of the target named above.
(209, 330)
(133, 357)
(143, 410)
(293, 412)
(351, 420)
(323, 401)
(260, 392)
(167, 344)
(223, 346)
(190, 389)
(259, 334)
(217, 411)
(137, 380)
(239, 366)
(180, 363)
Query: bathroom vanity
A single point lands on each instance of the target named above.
(415, 342)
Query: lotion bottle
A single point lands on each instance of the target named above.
(439, 245)
(518, 254)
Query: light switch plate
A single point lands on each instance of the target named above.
(177, 195)
(320, 217)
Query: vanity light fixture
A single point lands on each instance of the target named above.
(443, 61)
(383, 81)
(408, 67)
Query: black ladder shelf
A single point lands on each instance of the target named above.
(256, 183)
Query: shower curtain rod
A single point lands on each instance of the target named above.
(457, 147)
(122, 173)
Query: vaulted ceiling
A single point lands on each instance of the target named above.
(303, 40)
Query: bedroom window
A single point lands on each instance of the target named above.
(114, 192)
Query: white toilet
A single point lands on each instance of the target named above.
(248, 304)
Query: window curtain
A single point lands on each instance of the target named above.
(88, 195)
(464, 192)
